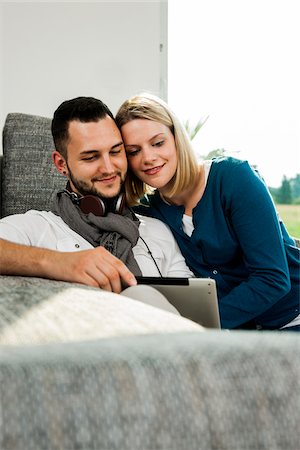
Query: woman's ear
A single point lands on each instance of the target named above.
(60, 163)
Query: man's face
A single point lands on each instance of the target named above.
(97, 162)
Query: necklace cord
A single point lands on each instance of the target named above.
(150, 253)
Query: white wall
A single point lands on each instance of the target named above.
(55, 51)
(1, 68)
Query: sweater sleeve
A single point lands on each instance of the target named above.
(253, 219)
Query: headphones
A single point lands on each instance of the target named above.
(96, 205)
(100, 207)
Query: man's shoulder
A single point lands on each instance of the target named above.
(34, 219)
(32, 214)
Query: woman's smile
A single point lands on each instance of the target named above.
(153, 170)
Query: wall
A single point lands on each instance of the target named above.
(1, 67)
(54, 51)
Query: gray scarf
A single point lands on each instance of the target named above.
(117, 233)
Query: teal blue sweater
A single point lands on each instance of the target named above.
(239, 241)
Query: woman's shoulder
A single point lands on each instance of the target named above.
(225, 162)
(230, 166)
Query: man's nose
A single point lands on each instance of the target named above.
(107, 165)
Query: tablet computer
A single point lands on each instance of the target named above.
(194, 298)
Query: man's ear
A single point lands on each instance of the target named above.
(60, 163)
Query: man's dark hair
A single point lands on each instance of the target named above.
(84, 109)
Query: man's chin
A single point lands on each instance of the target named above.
(108, 196)
(97, 189)
(107, 193)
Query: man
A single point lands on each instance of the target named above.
(90, 236)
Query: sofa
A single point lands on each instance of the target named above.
(81, 368)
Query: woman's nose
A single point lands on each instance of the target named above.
(149, 154)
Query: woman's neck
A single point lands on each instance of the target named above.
(190, 197)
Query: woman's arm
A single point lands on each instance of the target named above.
(253, 218)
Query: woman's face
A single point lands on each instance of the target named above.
(151, 151)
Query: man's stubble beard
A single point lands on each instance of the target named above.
(84, 188)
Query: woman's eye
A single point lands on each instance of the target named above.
(132, 152)
(158, 144)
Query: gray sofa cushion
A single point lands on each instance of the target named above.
(29, 176)
(210, 391)
(105, 375)
(39, 311)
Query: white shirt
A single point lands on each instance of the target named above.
(46, 230)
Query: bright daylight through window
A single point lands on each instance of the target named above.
(237, 63)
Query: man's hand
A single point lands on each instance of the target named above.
(96, 267)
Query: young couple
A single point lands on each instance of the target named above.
(220, 213)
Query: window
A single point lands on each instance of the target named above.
(238, 63)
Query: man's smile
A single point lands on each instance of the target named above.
(106, 180)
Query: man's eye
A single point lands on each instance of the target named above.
(115, 152)
(89, 158)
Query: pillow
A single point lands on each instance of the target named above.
(38, 311)
(29, 178)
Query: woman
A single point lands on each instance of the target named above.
(221, 214)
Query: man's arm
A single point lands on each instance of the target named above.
(96, 267)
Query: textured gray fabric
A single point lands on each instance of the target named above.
(35, 311)
(212, 390)
(29, 176)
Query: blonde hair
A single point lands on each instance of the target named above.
(150, 107)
